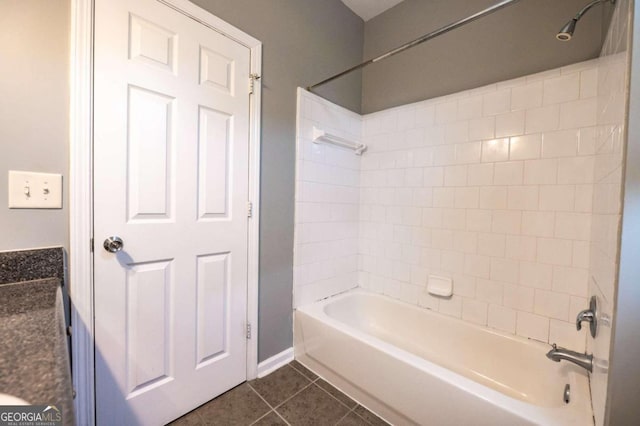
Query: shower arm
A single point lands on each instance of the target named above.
(431, 35)
(589, 6)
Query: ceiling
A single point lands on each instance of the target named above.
(368, 9)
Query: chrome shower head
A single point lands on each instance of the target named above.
(566, 32)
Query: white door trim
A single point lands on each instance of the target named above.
(81, 195)
(81, 210)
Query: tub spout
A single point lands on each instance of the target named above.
(583, 360)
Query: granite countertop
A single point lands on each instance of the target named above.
(34, 360)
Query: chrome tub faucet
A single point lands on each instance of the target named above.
(583, 360)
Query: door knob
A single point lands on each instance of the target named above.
(590, 315)
(113, 244)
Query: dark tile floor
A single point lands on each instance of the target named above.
(291, 395)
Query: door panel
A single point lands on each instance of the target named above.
(216, 70)
(148, 328)
(213, 163)
(150, 120)
(171, 152)
(212, 307)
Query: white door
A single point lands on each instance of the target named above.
(171, 180)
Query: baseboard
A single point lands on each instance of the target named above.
(269, 365)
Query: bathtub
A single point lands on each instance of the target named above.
(414, 366)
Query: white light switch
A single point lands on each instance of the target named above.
(30, 190)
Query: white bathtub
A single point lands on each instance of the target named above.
(414, 366)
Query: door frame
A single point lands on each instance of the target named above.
(81, 272)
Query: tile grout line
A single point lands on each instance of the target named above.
(345, 416)
(304, 374)
(311, 382)
(328, 393)
(258, 393)
(283, 419)
(265, 401)
(262, 417)
(269, 405)
(268, 412)
(295, 394)
(315, 381)
(275, 409)
(351, 410)
(365, 420)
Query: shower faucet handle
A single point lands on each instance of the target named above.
(585, 315)
(589, 315)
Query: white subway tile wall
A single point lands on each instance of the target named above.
(327, 202)
(495, 192)
(487, 186)
(608, 146)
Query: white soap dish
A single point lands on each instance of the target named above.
(440, 286)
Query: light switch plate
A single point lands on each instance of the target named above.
(31, 190)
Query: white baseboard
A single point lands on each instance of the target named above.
(270, 365)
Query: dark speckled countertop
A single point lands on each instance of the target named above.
(34, 361)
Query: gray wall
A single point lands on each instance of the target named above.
(304, 41)
(512, 42)
(34, 104)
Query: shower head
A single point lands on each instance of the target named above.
(566, 32)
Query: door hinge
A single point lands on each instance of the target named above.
(249, 209)
(253, 77)
(248, 330)
(91, 245)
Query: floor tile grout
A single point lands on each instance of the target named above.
(304, 374)
(267, 387)
(262, 417)
(328, 393)
(363, 419)
(269, 412)
(261, 397)
(348, 412)
(311, 382)
(352, 409)
(283, 419)
(287, 400)
(269, 405)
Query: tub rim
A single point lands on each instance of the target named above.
(579, 409)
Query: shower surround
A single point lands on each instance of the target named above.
(612, 110)
(513, 189)
(491, 186)
(327, 202)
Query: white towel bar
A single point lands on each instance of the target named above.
(322, 136)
